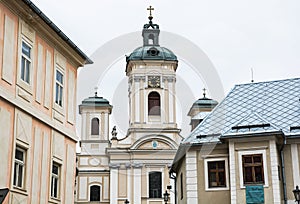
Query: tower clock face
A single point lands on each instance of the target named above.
(153, 81)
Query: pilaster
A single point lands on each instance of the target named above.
(191, 177)
(274, 172)
(232, 170)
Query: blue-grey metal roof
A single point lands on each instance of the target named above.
(252, 108)
(144, 53)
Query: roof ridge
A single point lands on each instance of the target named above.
(271, 81)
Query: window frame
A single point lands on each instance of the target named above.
(92, 127)
(19, 163)
(156, 113)
(61, 85)
(160, 194)
(55, 176)
(90, 191)
(206, 172)
(28, 87)
(252, 165)
(26, 59)
(265, 169)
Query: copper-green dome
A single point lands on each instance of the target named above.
(95, 101)
(152, 53)
(205, 102)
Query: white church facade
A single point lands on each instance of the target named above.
(134, 167)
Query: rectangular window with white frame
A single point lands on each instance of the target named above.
(19, 168)
(55, 180)
(216, 174)
(253, 167)
(59, 87)
(26, 62)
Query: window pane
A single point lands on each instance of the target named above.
(95, 126)
(221, 165)
(55, 169)
(258, 174)
(55, 187)
(248, 174)
(247, 159)
(15, 174)
(20, 176)
(26, 49)
(19, 155)
(59, 77)
(60, 95)
(222, 179)
(95, 193)
(23, 62)
(154, 103)
(212, 165)
(27, 71)
(257, 159)
(155, 185)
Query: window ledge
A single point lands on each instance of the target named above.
(54, 200)
(218, 189)
(244, 186)
(19, 190)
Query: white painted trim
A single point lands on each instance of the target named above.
(232, 169)
(161, 170)
(129, 187)
(137, 101)
(137, 186)
(263, 152)
(295, 164)
(191, 177)
(113, 185)
(171, 103)
(274, 172)
(206, 174)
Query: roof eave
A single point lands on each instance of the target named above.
(32, 6)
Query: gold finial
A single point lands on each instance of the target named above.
(204, 94)
(150, 9)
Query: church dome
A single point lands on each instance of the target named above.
(205, 103)
(152, 53)
(95, 101)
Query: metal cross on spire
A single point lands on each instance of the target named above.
(204, 94)
(96, 90)
(150, 9)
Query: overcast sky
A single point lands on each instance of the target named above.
(236, 35)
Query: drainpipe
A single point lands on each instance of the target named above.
(283, 170)
(172, 176)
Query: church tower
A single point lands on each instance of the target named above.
(92, 162)
(140, 160)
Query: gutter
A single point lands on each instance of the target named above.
(172, 176)
(57, 30)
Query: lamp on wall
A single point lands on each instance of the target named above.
(166, 197)
(126, 202)
(297, 194)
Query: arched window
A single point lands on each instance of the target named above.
(151, 39)
(155, 184)
(95, 193)
(95, 126)
(154, 103)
